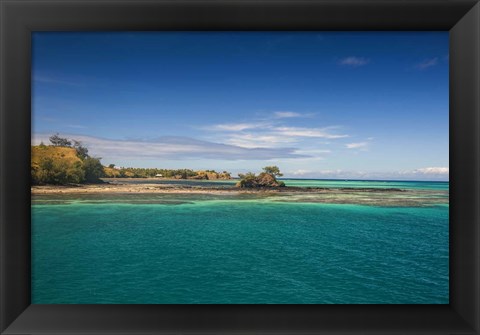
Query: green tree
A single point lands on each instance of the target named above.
(264, 179)
(93, 170)
(82, 151)
(273, 170)
(75, 173)
(248, 180)
(43, 173)
(59, 141)
(111, 166)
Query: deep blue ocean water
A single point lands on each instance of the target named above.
(190, 248)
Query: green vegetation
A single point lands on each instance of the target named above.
(58, 141)
(61, 163)
(93, 169)
(273, 170)
(267, 178)
(129, 172)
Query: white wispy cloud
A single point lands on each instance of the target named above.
(308, 132)
(172, 148)
(268, 133)
(248, 140)
(358, 145)
(354, 61)
(314, 152)
(54, 80)
(427, 63)
(264, 122)
(236, 126)
(433, 170)
(287, 114)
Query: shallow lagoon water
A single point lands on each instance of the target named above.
(424, 185)
(202, 248)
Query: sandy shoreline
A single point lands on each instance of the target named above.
(124, 188)
(145, 188)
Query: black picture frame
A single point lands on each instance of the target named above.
(18, 18)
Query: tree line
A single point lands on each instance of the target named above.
(130, 172)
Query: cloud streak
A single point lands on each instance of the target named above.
(173, 148)
(270, 133)
(358, 145)
(235, 126)
(52, 80)
(308, 132)
(287, 114)
(353, 61)
(433, 170)
(427, 63)
(248, 140)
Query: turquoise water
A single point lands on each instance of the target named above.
(191, 248)
(428, 185)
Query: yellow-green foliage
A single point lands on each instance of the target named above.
(68, 155)
(111, 172)
(209, 175)
(56, 165)
(61, 165)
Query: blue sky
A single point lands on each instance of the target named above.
(364, 105)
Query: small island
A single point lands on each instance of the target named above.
(267, 178)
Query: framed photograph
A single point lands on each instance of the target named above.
(240, 167)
